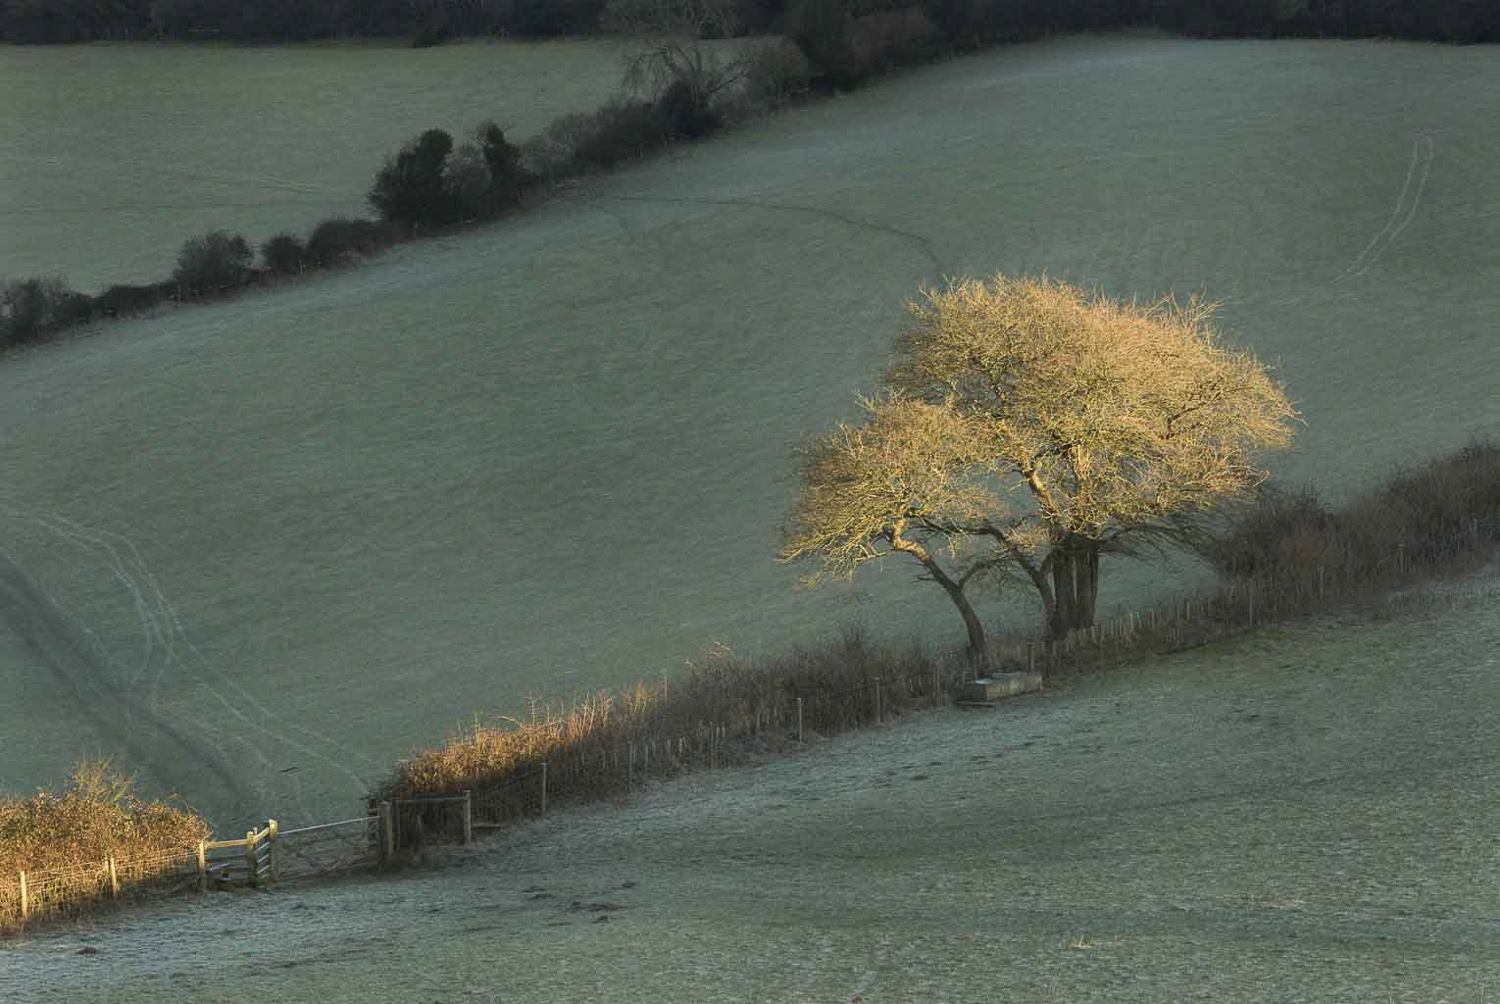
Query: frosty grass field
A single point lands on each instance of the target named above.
(318, 526)
(114, 154)
(1302, 815)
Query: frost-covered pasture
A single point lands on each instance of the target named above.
(1305, 814)
(261, 549)
(111, 155)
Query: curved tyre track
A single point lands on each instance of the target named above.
(75, 666)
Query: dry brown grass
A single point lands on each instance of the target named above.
(835, 681)
(96, 816)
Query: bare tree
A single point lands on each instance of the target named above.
(669, 47)
(1027, 427)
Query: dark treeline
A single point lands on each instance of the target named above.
(962, 22)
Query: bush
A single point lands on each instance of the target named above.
(821, 30)
(469, 185)
(881, 42)
(97, 815)
(283, 253)
(337, 240)
(411, 187)
(126, 299)
(619, 131)
(32, 308)
(834, 681)
(776, 73)
(508, 178)
(685, 113)
(1438, 519)
(216, 260)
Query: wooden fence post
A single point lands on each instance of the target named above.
(203, 867)
(114, 879)
(799, 719)
(468, 817)
(544, 787)
(25, 904)
(385, 837)
(250, 857)
(273, 834)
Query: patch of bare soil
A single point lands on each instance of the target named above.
(1305, 814)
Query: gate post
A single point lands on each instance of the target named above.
(250, 864)
(273, 834)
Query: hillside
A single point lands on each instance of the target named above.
(317, 526)
(1300, 814)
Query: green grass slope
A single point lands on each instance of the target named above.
(317, 526)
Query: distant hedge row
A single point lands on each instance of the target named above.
(829, 45)
(41, 308)
(427, 184)
(960, 22)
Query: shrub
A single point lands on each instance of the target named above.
(508, 178)
(31, 308)
(467, 177)
(620, 130)
(1437, 519)
(485, 177)
(214, 261)
(776, 73)
(821, 29)
(95, 816)
(411, 187)
(434, 31)
(283, 253)
(685, 112)
(550, 154)
(127, 299)
(834, 681)
(880, 42)
(337, 240)
(73, 308)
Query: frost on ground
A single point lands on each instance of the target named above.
(328, 481)
(1305, 814)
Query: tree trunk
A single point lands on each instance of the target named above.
(1062, 592)
(978, 650)
(1075, 585)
